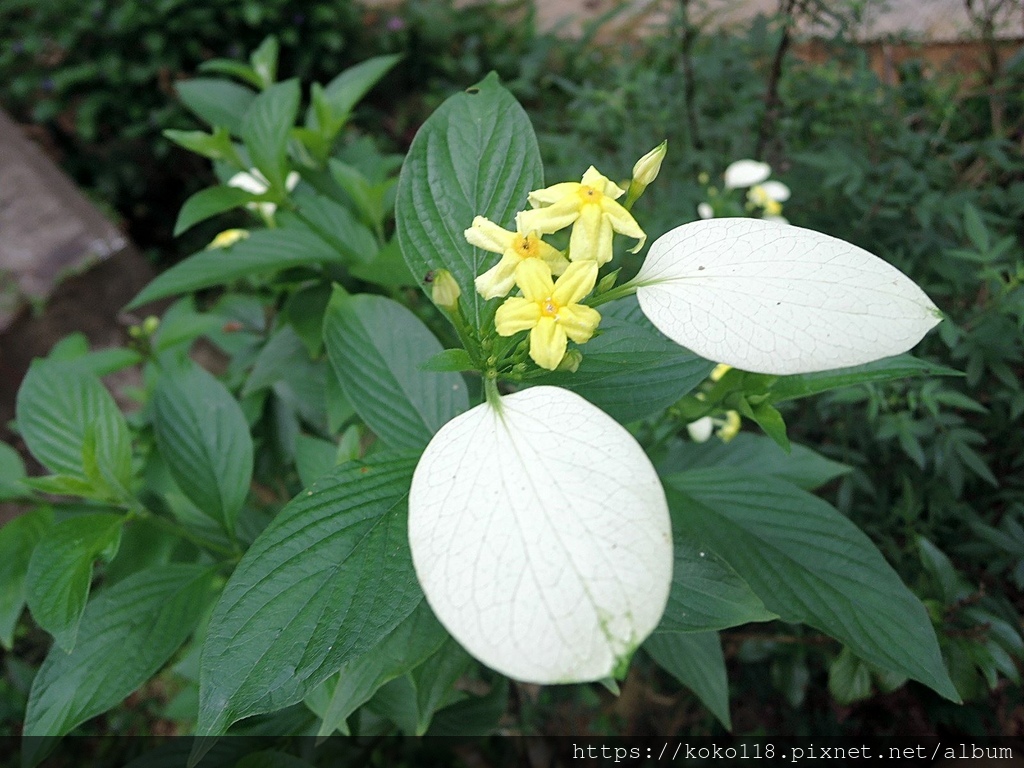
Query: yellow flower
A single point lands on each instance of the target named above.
(227, 238)
(514, 247)
(719, 371)
(730, 428)
(550, 311)
(759, 198)
(591, 208)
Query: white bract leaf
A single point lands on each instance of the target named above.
(773, 298)
(746, 173)
(540, 535)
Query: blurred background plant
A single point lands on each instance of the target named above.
(924, 169)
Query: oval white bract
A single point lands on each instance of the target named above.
(773, 298)
(540, 535)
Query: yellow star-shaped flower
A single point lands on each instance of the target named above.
(591, 208)
(550, 311)
(514, 248)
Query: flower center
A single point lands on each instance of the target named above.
(548, 307)
(527, 246)
(590, 195)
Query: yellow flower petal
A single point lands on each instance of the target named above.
(623, 222)
(719, 371)
(594, 178)
(534, 279)
(487, 235)
(499, 279)
(579, 322)
(553, 258)
(550, 195)
(552, 218)
(575, 283)
(731, 427)
(515, 315)
(585, 242)
(547, 343)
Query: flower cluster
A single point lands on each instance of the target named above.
(538, 526)
(764, 196)
(550, 309)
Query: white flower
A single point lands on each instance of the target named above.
(773, 298)
(256, 183)
(746, 173)
(776, 190)
(705, 211)
(701, 429)
(540, 535)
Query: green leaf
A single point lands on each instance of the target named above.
(216, 101)
(102, 362)
(748, 454)
(232, 68)
(12, 471)
(473, 716)
(631, 370)
(127, 633)
(695, 659)
(18, 539)
(262, 251)
(849, 678)
(283, 355)
(411, 701)
(419, 636)
(771, 421)
(887, 369)
(975, 227)
(209, 202)
(72, 425)
(327, 580)
(449, 360)
(345, 90)
(387, 268)
(476, 155)
(337, 226)
(266, 125)
(809, 564)
(377, 347)
(216, 145)
(304, 311)
(707, 594)
(264, 61)
(60, 571)
(203, 436)
(314, 458)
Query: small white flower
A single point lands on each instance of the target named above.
(256, 183)
(746, 173)
(705, 211)
(701, 429)
(776, 190)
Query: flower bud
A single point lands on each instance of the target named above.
(646, 169)
(570, 361)
(228, 238)
(446, 291)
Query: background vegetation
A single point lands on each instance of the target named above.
(926, 172)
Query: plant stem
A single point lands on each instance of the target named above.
(137, 510)
(626, 289)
